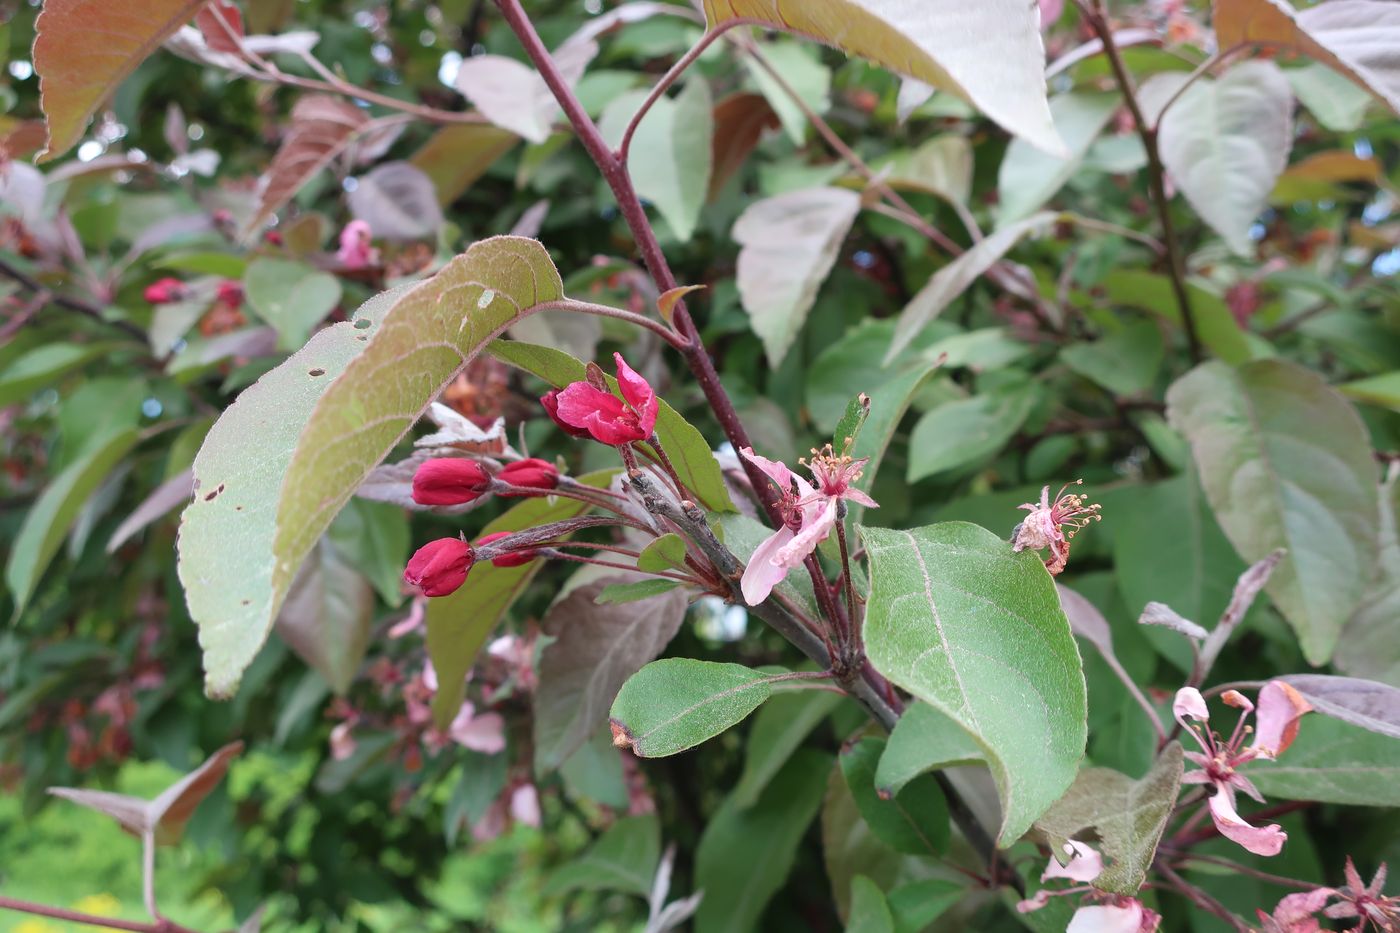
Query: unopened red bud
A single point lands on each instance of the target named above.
(439, 567)
(231, 293)
(164, 291)
(550, 401)
(512, 559)
(531, 473)
(449, 481)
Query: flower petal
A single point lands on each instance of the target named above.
(1084, 863)
(1280, 708)
(855, 495)
(1189, 702)
(773, 469)
(1261, 840)
(1105, 918)
(763, 572)
(638, 393)
(816, 525)
(484, 733)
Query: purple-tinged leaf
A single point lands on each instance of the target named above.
(399, 202)
(166, 497)
(1246, 589)
(1085, 620)
(1161, 614)
(1365, 703)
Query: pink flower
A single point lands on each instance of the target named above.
(164, 291)
(1294, 914)
(355, 251)
(343, 740)
(1052, 525)
(439, 567)
(550, 402)
(1220, 760)
(1366, 902)
(809, 514)
(484, 733)
(606, 417)
(1125, 915)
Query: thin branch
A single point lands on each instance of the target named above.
(1156, 173)
(631, 317)
(1136, 692)
(1200, 70)
(1200, 898)
(72, 916)
(1252, 872)
(76, 305)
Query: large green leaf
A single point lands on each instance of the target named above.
(623, 859)
(922, 740)
(1286, 463)
(1127, 818)
(977, 632)
(690, 453)
(291, 296)
(987, 53)
(746, 853)
(595, 649)
(287, 455)
(57, 507)
(669, 158)
(1333, 762)
(1225, 142)
(459, 624)
(677, 703)
(966, 432)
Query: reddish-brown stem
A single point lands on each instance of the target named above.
(588, 307)
(1200, 898)
(616, 565)
(1097, 19)
(72, 916)
(1252, 872)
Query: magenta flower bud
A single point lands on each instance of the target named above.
(550, 402)
(164, 291)
(512, 559)
(439, 567)
(532, 473)
(449, 481)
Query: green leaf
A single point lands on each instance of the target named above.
(1338, 104)
(459, 624)
(1029, 176)
(848, 428)
(778, 730)
(664, 553)
(288, 454)
(1333, 762)
(802, 70)
(1225, 141)
(940, 166)
(914, 821)
(1286, 463)
(989, 53)
(746, 853)
(1383, 390)
(291, 296)
(1127, 818)
(916, 905)
(46, 364)
(675, 704)
(623, 859)
(1369, 647)
(967, 432)
(851, 365)
(615, 593)
(1124, 362)
(669, 158)
(689, 452)
(923, 739)
(788, 244)
(596, 649)
(57, 507)
(870, 912)
(954, 278)
(1217, 327)
(327, 616)
(977, 632)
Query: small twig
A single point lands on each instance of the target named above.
(69, 304)
(24, 315)
(1252, 872)
(1200, 898)
(1136, 692)
(161, 925)
(1156, 172)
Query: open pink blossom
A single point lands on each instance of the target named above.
(1365, 902)
(1053, 524)
(809, 513)
(1294, 914)
(1220, 759)
(606, 417)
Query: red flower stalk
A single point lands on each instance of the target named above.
(550, 402)
(164, 291)
(449, 481)
(606, 417)
(439, 567)
(512, 559)
(531, 473)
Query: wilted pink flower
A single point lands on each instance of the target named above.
(355, 250)
(230, 293)
(1294, 914)
(1085, 864)
(606, 417)
(809, 513)
(1053, 524)
(1279, 709)
(1366, 902)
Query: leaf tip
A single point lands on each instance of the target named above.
(621, 736)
